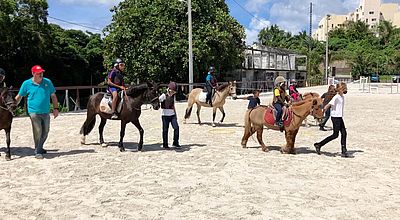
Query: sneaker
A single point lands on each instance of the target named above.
(322, 129)
(166, 147)
(39, 156)
(344, 154)
(114, 116)
(177, 146)
(43, 151)
(317, 148)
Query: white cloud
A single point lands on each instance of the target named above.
(90, 2)
(255, 26)
(256, 5)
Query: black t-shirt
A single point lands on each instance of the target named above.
(253, 102)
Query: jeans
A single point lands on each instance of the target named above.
(326, 118)
(278, 107)
(338, 125)
(174, 122)
(40, 127)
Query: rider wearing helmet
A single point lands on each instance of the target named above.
(2, 77)
(116, 83)
(168, 115)
(293, 90)
(280, 99)
(211, 83)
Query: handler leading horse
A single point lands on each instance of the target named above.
(218, 101)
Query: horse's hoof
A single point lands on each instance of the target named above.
(121, 149)
(265, 149)
(213, 124)
(8, 158)
(140, 149)
(83, 139)
(104, 145)
(244, 146)
(184, 121)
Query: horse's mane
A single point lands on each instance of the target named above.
(312, 94)
(303, 101)
(136, 90)
(222, 87)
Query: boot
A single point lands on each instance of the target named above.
(317, 148)
(344, 152)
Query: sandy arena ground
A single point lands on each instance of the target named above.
(212, 177)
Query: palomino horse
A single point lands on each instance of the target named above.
(131, 110)
(254, 122)
(219, 100)
(7, 111)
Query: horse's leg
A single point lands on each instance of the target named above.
(198, 113)
(121, 136)
(141, 132)
(291, 149)
(101, 129)
(289, 142)
(259, 138)
(214, 114)
(223, 114)
(8, 140)
(87, 126)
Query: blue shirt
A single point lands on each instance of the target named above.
(253, 102)
(211, 79)
(38, 95)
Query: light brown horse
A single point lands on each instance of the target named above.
(254, 122)
(221, 93)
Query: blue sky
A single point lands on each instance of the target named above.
(290, 15)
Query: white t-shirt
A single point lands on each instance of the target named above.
(337, 106)
(165, 112)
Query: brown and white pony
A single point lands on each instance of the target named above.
(254, 122)
(221, 93)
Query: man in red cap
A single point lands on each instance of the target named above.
(38, 91)
(168, 115)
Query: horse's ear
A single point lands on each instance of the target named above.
(314, 102)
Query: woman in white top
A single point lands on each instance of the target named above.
(336, 105)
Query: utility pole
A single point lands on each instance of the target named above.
(190, 45)
(326, 48)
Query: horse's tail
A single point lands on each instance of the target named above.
(247, 122)
(188, 112)
(90, 121)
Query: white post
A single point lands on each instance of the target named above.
(326, 47)
(190, 45)
(66, 99)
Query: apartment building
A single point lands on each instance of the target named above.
(369, 11)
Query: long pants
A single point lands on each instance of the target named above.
(278, 107)
(209, 93)
(40, 127)
(338, 126)
(166, 120)
(326, 118)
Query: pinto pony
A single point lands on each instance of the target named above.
(255, 121)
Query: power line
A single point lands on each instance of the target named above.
(77, 24)
(250, 13)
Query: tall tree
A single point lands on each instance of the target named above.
(152, 37)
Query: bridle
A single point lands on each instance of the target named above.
(6, 104)
(148, 102)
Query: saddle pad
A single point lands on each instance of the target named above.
(105, 104)
(269, 116)
(203, 96)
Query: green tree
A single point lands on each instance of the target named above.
(152, 37)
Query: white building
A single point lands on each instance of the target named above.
(369, 11)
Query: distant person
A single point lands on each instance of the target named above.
(296, 96)
(254, 100)
(337, 107)
(116, 84)
(39, 91)
(327, 97)
(211, 84)
(168, 115)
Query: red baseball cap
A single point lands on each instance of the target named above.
(37, 69)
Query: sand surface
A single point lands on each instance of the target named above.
(211, 177)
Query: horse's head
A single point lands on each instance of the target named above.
(317, 109)
(232, 89)
(152, 95)
(8, 101)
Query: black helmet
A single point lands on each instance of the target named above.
(2, 72)
(118, 61)
(211, 68)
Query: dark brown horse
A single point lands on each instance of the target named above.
(136, 96)
(7, 111)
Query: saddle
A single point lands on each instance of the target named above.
(271, 112)
(106, 102)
